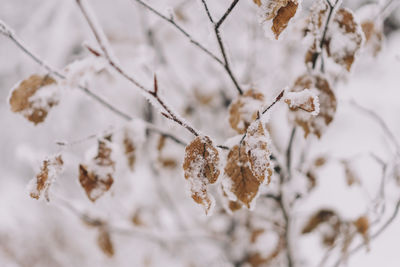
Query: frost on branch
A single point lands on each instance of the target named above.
(344, 38)
(201, 169)
(50, 170)
(244, 110)
(305, 100)
(327, 105)
(97, 176)
(82, 71)
(34, 97)
(280, 12)
(248, 167)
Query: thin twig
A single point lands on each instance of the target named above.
(322, 41)
(220, 42)
(6, 31)
(376, 234)
(179, 28)
(381, 122)
(102, 41)
(289, 152)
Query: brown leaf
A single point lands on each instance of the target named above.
(362, 224)
(304, 100)
(255, 259)
(283, 16)
(351, 176)
(129, 149)
(34, 97)
(373, 36)
(321, 216)
(327, 105)
(97, 178)
(243, 110)
(257, 2)
(240, 180)
(201, 168)
(256, 143)
(344, 38)
(104, 242)
(50, 169)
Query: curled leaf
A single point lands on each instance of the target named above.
(104, 242)
(49, 171)
(344, 38)
(34, 97)
(96, 178)
(243, 110)
(305, 100)
(327, 105)
(201, 169)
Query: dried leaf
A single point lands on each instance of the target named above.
(34, 97)
(104, 242)
(256, 143)
(305, 100)
(321, 216)
(327, 105)
(97, 177)
(240, 179)
(257, 2)
(373, 36)
(283, 16)
(344, 38)
(201, 169)
(351, 176)
(255, 234)
(243, 110)
(50, 169)
(129, 149)
(362, 225)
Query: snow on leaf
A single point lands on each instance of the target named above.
(305, 100)
(247, 167)
(280, 12)
(327, 105)
(344, 38)
(34, 97)
(256, 144)
(244, 109)
(50, 170)
(104, 241)
(373, 36)
(97, 177)
(201, 169)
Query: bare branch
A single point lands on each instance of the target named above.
(102, 41)
(220, 42)
(53, 72)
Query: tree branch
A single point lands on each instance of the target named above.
(103, 43)
(220, 42)
(9, 33)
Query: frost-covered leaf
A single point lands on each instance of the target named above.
(327, 105)
(248, 166)
(256, 144)
(81, 71)
(344, 38)
(201, 169)
(104, 241)
(97, 176)
(305, 100)
(280, 12)
(373, 36)
(34, 97)
(244, 109)
(321, 216)
(50, 170)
